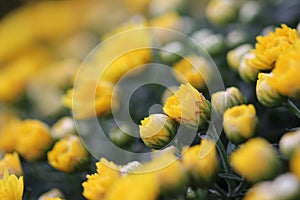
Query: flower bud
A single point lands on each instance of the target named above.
(63, 127)
(188, 107)
(247, 72)
(295, 163)
(221, 11)
(240, 123)
(67, 154)
(234, 56)
(201, 161)
(222, 100)
(256, 160)
(267, 95)
(249, 11)
(157, 130)
(289, 142)
(53, 193)
(12, 163)
(171, 52)
(120, 136)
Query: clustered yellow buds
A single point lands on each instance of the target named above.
(157, 130)
(67, 154)
(256, 160)
(240, 123)
(222, 100)
(188, 107)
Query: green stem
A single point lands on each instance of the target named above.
(292, 107)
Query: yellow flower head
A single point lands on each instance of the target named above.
(193, 68)
(266, 94)
(289, 143)
(33, 139)
(256, 160)
(295, 163)
(67, 154)
(97, 185)
(221, 11)
(240, 123)
(188, 107)
(269, 47)
(157, 130)
(135, 187)
(8, 135)
(63, 127)
(11, 188)
(286, 74)
(201, 161)
(234, 56)
(246, 71)
(222, 100)
(11, 162)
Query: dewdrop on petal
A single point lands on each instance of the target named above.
(240, 123)
(266, 94)
(157, 130)
(289, 143)
(247, 72)
(235, 55)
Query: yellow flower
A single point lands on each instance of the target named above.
(256, 160)
(289, 143)
(221, 11)
(192, 69)
(269, 47)
(240, 123)
(201, 161)
(188, 107)
(247, 72)
(134, 187)
(63, 127)
(157, 130)
(67, 154)
(286, 74)
(33, 139)
(234, 56)
(97, 185)
(295, 163)
(12, 163)
(8, 135)
(11, 188)
(222, 100)
(266, 94)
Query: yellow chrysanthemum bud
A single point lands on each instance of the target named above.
(67, 154)
(33, 139)
(193, 68)
(222, 100)
(145, 186)
(295, 163)
(286, 74)
(157, 130)
(201, 161)
(11, 187)
(63, 127)
(269, 47)
(53, 193)
(289, 142)
(234, 56)
(266, 94)
(8, 135)
(247, 72)
(284, 187)
(188, 107)
(97, 185)
(240, 123)
(12, 163)
(221, 11)
(256, 160)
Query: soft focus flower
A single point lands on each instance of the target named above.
(192, 69)
(138, 6)
(286, 74)
(67, 154)
(201, 161)
(53, 193)
(284, 187)
(8, 135)
(221, 11)
(256, 160)
(97, 185)
(266, 94)
(12, 163)
(289, 143)
(11, 187)
(269, 47)
(295, 163)
(222, 100)
(63, 127)
(250, 11)
(247, 72)
(188, 107)
(240, 123)
(234, 56)
(33, 139)
(212, 43)
(120, 135)
(157, 130)
(134, 187)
